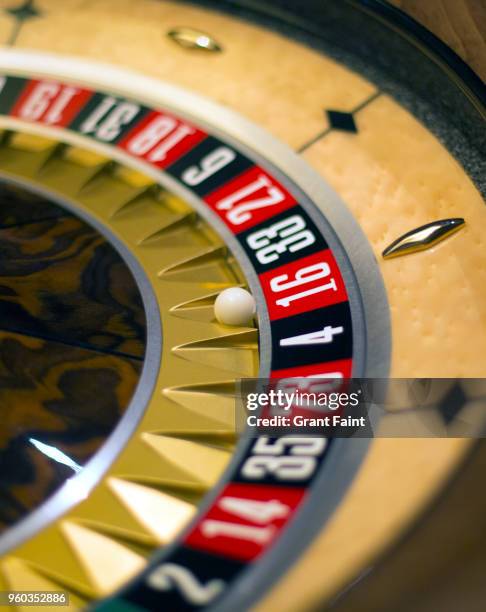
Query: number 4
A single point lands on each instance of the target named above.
(323, 336)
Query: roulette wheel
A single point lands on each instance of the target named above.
(326, 158)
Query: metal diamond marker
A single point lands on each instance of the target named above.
(25, 11)
(342, 121)
(452, 404)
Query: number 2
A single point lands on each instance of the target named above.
(170, 575)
